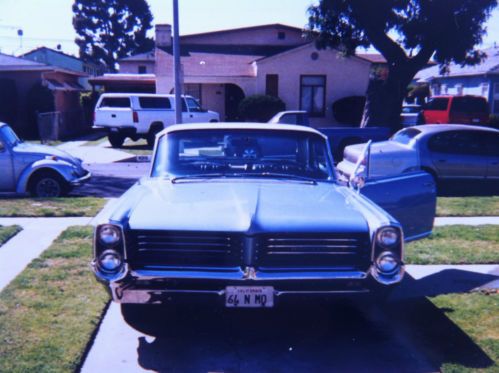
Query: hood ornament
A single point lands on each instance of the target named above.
(249, 273)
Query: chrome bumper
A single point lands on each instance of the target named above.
(81, 180)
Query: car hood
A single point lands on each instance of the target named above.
(43, 150)
(240, 206)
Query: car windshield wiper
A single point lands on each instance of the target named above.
(274, 175)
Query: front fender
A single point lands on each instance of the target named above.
(64, 169)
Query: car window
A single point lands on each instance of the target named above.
(469, 105)
(115, 102)
(405, 136)
(439, 104)
(458, 142)
(193, 105)
(155, 103)
(245, 152)
(9, 136)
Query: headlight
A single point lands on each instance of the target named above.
(387, 263)
(109, 235)
(110, 261)
(388, 237)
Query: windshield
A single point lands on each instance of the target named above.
(405, 136)
(252, 153)
(9, 135)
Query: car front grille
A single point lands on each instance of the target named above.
(156, 249)
(313, 250)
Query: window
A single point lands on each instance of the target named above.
(458, 142)
(142, 69)
(439, 104)
(405, 136)
(193, 105)
(155, 103)
(469, 104)
(281, 35)
(272, 85)
(459, 89)
(193, 90)
(313, 94)
(123, 102)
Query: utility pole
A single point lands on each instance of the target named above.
(176, 65)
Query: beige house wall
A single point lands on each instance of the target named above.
(344, 77)
(132, 67)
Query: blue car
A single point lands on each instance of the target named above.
(250, 214)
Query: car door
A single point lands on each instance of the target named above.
(409, 197)
(7, 182)
(459, 154)
(492, 140)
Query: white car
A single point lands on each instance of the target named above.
(142, 115)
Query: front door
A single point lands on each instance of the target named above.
(7, 183)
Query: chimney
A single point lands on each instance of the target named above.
(163, 36)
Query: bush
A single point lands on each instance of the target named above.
(87, 103)
(349, 110)
(260, 108)
(40, 99)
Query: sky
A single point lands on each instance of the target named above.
(49, 22)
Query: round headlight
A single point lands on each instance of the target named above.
(109, 261)
(109, 235)
(387, 237)
(387, 263)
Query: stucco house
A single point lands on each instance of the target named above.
(221, 68)
(19, 78)
(481, 80)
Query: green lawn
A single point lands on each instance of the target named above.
(477, 315)
(50, 311)
(456, 244)
(51, 207)
(6, 233)
(468, 206)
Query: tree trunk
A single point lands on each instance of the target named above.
(384, 101)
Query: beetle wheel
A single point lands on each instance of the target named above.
(48, 185)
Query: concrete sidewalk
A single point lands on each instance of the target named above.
(472, 220)
(94, 154)
(36, 236)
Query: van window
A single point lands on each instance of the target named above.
(155, 103)
(123, 102)
(469, 105)
(439, 104)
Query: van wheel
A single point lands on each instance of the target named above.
(48, 184)
(151, 136)
(116, 140)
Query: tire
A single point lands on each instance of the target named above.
(151, 136)
(116, 140)
(48, 184)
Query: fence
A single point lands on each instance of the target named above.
(57, 125)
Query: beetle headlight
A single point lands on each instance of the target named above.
(109, 235)
(388, 237)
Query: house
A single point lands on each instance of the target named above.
(481, 80)
(23, 92)
(221, 68)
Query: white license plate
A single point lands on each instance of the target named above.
(249, 296)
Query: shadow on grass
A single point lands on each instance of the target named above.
(468, 188)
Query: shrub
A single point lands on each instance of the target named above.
(349, 110)
(40, 99)
(87, 103)
(260, 108)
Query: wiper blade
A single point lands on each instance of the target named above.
(274, 175)
(278, 175)
(199, 176)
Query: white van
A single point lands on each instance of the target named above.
(142, 115)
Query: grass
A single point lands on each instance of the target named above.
(468, 206)
(456, 244)
(6, 233)
(51, 207)
(49, 312)
(475, 314)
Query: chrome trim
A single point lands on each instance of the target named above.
(81, 180)
(109, 277)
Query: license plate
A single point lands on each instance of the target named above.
(249, 296)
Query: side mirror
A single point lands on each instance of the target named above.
(361, 171)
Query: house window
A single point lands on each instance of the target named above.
(436, 89)
(272, 85)
(142, 69)
(193, 90)
(313, 94)
(281, 35)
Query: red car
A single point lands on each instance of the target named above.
(456, 110)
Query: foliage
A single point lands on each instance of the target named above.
(6, 233)
(407, 33)
(40, 99)
(8, 101)
(456, 244)
(348, 110)
(260, 108)
(468, 206)
(112, 29)
(87, 103)
(50, 311)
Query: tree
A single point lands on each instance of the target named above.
(111, 29)
(407, 33)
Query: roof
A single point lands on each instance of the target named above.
(489, 66)
(9, 63)
(434, 128)
(250, 28)
(239, 126)
(372, 57)
(147, 56)
(51, 50)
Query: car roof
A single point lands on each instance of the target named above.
(434, 128)
(240, 126)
